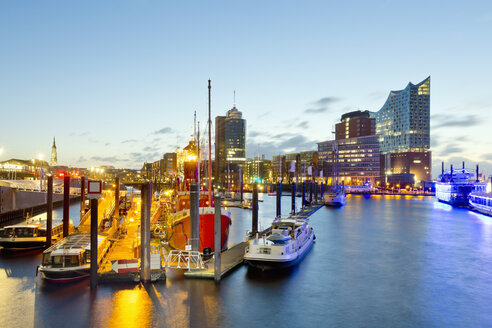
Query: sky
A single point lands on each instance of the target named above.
(117, 82)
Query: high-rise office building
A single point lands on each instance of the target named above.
(230, 144)
(355, 124)
(403, 124)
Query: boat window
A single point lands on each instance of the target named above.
(57, 261)
(72, 260)
(46, 259)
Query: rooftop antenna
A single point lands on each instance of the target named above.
(234, 103)
(194, 127)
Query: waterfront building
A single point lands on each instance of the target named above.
(355, 124)
(403, 124)
(257, 169)
(169, 164)
(358, 159)
(230, 144)
(54, 156)
(20, 169)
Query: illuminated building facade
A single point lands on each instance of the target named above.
(403, 124)
(355, 124)
(358, 159)
(230, 145)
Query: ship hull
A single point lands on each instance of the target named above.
(65, 275)
(22, 244)
(179, 232)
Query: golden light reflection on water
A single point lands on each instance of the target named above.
(131, 308)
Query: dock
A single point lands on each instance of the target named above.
(234, 256)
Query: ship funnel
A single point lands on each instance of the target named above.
(463, 165)
(451, 178)
(477, 174)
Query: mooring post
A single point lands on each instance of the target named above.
(279, 199)
(217, 239)
(194, 216)
(303, 194)
(49, 211)
(310, 192)
(293, 212)
(315, 191)
(322, 190)
(94, 243)
(146, 202)
(254, 228)
(66, 205)
(117, 200)
(82, 196)
(242, 185)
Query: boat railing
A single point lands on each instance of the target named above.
(178, 259)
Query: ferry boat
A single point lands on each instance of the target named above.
(455, 187)
(29, 236)
(290, 240)
(481, 198)
(68, 260)
(178, 231)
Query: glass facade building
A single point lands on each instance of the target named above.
(403, 124)
(230, 145)
(404, 120)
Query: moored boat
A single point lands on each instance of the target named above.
(290, 240)
(178, 231)
(481, 198)
(455, 187)
(28, 236)
(68, 260)
(335, 198)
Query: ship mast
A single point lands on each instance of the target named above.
(209, 148)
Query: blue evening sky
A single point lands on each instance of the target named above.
(117, 81)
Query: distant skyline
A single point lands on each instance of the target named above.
(117, 82)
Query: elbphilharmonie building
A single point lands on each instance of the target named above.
(403, 126)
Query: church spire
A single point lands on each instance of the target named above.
(54, 160)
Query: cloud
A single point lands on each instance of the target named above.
(303, 124)
(253, 134)
(326, 101)
(129, 141)
(316, 110)
(107, 144)
(263, 115)
(81, 159)
(165, 130)
(321, 105)
(284, 143)
(150, 149)
(108, 159)
(446, 121)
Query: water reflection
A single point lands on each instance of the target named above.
(378, 261)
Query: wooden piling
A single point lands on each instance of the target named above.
(66, 205)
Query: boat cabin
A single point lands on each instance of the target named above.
(22, 231)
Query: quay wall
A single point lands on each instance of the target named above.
(15, 204)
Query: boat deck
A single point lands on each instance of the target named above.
(229, 260)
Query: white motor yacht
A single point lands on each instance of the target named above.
(290, 240)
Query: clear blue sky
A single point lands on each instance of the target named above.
(105, 77)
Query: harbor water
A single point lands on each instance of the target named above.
(379, 261)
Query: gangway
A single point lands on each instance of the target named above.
(178, 259)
